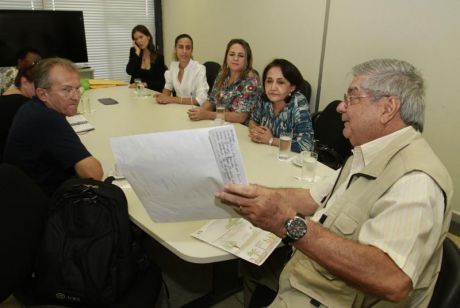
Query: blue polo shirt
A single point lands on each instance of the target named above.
(43, 144)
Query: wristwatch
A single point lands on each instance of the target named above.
(296, 228)
(270, 141)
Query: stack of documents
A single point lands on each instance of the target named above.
(79, 123)
(105, 83)
(239, 237)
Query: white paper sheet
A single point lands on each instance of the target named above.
(175, 174)
(239, 237)
(79, 123)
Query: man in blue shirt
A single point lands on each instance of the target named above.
(41, 141)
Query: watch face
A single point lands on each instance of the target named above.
(296, 228)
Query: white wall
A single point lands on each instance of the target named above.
(272, 28)
(423, 32)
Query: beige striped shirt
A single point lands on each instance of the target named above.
(409, 229)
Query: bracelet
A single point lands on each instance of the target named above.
(270, 141)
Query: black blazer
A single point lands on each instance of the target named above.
(154, 77)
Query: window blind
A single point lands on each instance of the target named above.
(21, 5)
(108, 25)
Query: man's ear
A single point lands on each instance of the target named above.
(42, 94)
(391, 109)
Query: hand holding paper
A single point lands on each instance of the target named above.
(175, 174)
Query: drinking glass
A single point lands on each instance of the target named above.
(220, 114)
(285, 144)
(139, 87)
(84, 104)
(309, 160)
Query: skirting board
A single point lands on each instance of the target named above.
(455, 224)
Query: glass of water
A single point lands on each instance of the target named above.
(285, 144)
(220, 114)
(309, 160)
(139, 87)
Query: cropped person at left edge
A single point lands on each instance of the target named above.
(144, 61)
(185, 76)
(41, 142)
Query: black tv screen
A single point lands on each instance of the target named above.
(52, 33)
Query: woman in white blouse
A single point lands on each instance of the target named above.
(185, 76)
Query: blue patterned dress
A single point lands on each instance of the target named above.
(295, 116)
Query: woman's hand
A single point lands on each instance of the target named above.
(162, 98)
(136, 48)
(260, 134)
(198, 114)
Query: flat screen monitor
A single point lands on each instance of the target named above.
(52, 33)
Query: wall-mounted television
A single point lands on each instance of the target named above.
(52, 33)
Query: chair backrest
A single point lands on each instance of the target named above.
(447, 290)
(305, 89)
(332, 146)
(22, 214)
(212, 69)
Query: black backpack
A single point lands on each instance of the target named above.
(87, 250)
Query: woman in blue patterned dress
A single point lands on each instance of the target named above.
(237, 86)
(282, 106)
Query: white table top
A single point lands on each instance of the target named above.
(134, 115)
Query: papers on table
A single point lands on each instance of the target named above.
(79, 123)
(105, 83)
(175, 174)
(239, 237)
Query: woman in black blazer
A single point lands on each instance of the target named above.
(144, 61)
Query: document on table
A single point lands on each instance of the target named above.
(79, 123)
(239, 237)
(175, 174)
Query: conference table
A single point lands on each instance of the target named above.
(140, 115)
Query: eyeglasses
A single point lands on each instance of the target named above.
(348, 99)
(69, 92)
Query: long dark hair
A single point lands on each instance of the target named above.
(151, 47)
(248, 70)
(289, 71)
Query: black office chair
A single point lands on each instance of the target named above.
(447, 290)
(22, 213)
(305, 89)
(212, 69)
(333, 148)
